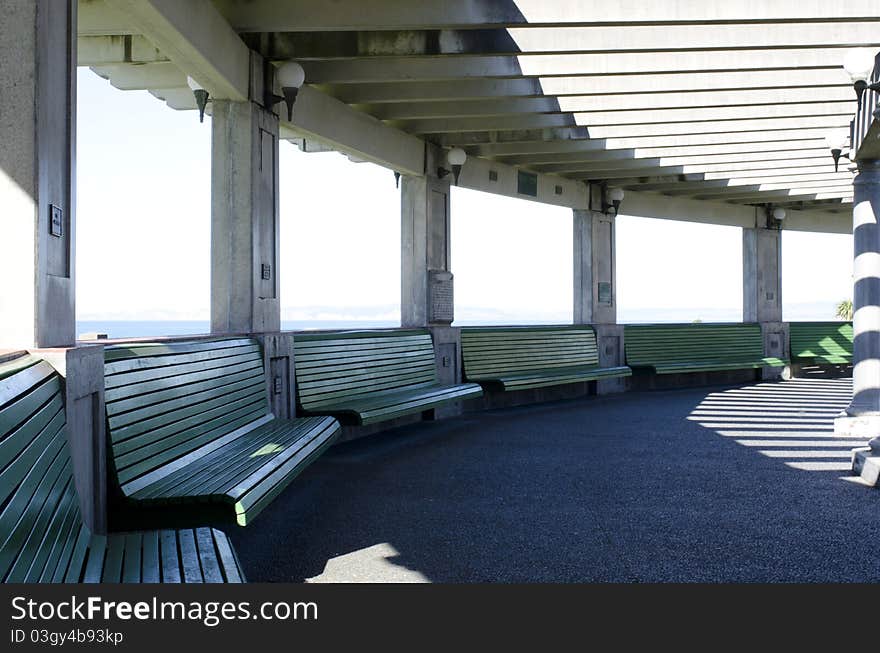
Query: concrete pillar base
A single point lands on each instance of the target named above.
(866, 463)
(609, 340)
(447, 357)
(866, 426)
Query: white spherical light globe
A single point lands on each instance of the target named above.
(615, 194)
(194, 85)
(779, 213)
(859, 64)
(456, 156)
(290, 75)
(837, 139)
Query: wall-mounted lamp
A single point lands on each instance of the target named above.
(859, 64)
(291, 77)
(455, 158)
(611, 200)
(837, 142)
(201, 95)
(775, 216)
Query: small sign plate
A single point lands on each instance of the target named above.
(605, 293)
(56, 221)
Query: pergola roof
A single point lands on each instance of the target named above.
(725, 102)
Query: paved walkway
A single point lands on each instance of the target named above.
(719, 484)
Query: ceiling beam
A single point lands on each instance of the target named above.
(319, 15)
(334, 44)
(195, 37)
(634, 108)
(106, 50)
(404, 69)
(636, 89)
(466, 89)
(697, 143)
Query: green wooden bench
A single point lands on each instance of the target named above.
(518, 358)
(822, 342)
(189, 422)
(42, 536)
(673, 348)
(364, 377)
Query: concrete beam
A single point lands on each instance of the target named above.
(637, 100)
(505, 123)
(196, 37)
(730, 128)
(469, 89)
(405, 69)
(547, 140)
(513, 41)
(654, 205)
(551, 189)
(315, 15)
(153, 76)
(106, 50)
(609, 92)
(647, 84)
(786, 194)
(331, 122)
(590, 110)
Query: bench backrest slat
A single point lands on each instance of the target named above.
(821, 340)
(41, 530)
(165, 400)
(488, 351)
(647, 344)
(349, 365)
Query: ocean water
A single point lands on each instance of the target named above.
(146, 328)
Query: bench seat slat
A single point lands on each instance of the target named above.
(368, 408)
(275, 453)
(555, 376)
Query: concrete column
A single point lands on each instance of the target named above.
(595, 276)
(37, 154)
(244, 219)
(595, 289)
(426, 278)
(762, 289)
(862, 417)
(762, 270)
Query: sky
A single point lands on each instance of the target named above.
(143, 238)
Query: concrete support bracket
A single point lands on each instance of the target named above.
(83, 372)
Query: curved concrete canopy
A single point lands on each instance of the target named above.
(718, 101)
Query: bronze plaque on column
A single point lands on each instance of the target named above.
(440, 296)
